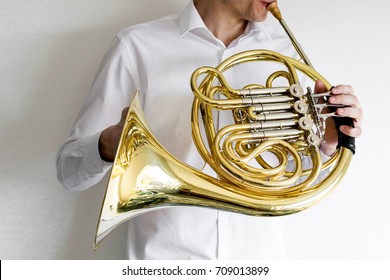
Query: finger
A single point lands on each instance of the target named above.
(342, 89)
(354, 113)
(346, 100)
(351, 131)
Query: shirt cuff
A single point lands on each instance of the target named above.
(92, 161)
(324, 157)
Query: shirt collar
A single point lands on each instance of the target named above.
(254, 27)
(190, 20)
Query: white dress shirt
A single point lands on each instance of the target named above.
(158, 58)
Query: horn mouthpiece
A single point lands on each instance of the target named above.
(274, 10)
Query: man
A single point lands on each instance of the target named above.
(158, 58)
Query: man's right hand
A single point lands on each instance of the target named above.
(109, 139)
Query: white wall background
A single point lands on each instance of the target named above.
(49, 52)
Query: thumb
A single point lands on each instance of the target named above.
(319, 87)
(123, 116)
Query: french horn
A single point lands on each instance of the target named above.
(286, 122)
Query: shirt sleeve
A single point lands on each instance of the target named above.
(78, 161)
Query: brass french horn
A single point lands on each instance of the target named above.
(285, 121)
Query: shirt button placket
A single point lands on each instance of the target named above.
(224, 234)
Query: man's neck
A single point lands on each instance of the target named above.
(221, 22)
